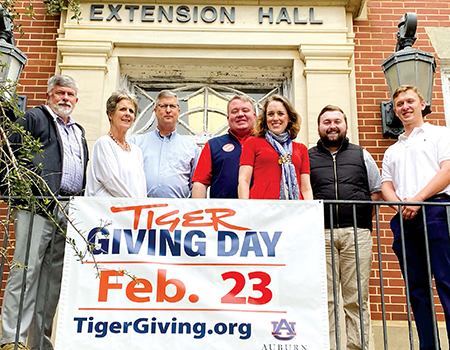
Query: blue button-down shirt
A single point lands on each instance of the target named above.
(72, 174)
(169, 163)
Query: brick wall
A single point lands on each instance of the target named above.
(375, 41)
(39, 44)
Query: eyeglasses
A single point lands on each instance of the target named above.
(164, 106)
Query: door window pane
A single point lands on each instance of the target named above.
(203, 108)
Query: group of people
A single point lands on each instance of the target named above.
(165, 163)
(256, 159)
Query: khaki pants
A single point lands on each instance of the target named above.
(41, 269)
(347, 283)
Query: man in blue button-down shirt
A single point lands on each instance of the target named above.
(169, 158)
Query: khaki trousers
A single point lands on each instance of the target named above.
(42, 268)
(347, 283)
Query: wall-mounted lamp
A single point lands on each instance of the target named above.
(12, 60)
(406, 66)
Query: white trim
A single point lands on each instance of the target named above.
(445, 78)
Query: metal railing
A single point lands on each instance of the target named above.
(380, 210)
(377, 234)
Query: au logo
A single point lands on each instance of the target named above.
(283, 330)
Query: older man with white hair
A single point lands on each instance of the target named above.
(62, 165)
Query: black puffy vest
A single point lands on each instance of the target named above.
(346, 179)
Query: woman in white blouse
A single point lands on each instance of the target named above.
(116, 168)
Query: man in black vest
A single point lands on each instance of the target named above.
(341, 170)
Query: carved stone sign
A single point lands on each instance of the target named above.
(195, 14)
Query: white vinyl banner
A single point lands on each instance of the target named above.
(209, 274)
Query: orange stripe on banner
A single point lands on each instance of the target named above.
(183, 264)
(202, 310)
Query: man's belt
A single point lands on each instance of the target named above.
(64, 193)
(438, 196)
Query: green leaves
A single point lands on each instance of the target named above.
(52, 7)
(57, 6)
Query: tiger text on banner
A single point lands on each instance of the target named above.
(209, 274)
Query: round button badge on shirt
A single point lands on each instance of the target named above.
(229, 147)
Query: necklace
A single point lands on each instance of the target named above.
(127, 146)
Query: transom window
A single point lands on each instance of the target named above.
(203, 108)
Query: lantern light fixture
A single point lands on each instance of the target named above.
(406, 66)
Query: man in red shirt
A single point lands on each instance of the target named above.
(218, 165)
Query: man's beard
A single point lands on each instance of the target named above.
(60, 109)
(332, 143)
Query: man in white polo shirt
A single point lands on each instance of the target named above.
(417, 169)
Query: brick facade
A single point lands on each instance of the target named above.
(39, 44)
(375, 40)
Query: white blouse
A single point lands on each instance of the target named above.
(114, 172)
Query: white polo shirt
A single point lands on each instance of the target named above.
(414, 160)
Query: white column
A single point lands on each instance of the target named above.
(87, 62)
(327, 71)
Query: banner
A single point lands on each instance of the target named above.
(208, 274)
